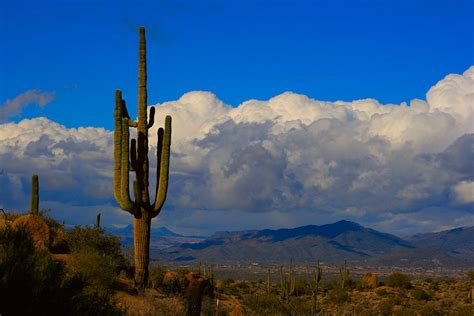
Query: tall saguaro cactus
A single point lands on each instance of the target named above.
(133, 156)
(34, 203)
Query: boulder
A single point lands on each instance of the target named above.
(36, 227)
(237, 311)
(170, 277)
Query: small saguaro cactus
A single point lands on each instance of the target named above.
(317, 275)
(344, 275)
(268, 283)
(34, 203)
(287, 282)
(133, 156)
(97, 220)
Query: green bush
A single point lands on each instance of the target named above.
(263, 305)
(421, 295)
(338, 295)
(93, 237)
(385, 308)
(31, 282)
(399, 280)
(382, 292)
(96, 258)
(95, 268)
(57, 233)
(155, 277)
(470, 275)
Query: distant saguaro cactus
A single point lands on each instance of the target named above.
(34, 203)
(134, 156)
(344, 275)
(97, 220)
(287, 282)
(317, 275)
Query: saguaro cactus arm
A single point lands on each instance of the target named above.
(162, 169)
(118, 147)
(151, 121)
(125, 201)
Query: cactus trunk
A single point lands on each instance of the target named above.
(141, 238)
(34, 204)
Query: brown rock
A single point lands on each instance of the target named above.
(36, 227)
(192, 275)
(370, 280)
(237, 311)
(170, 277)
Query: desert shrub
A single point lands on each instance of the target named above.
(432, 310)
(9, 216)
(95, 268)
(382, 292)
(243, 285)
(338, 295)
(81, 239)
(31, 282)
(29, 279)
(228, 282)
(182, 271)
(421, 295)
(302, 287)
(208, 306)
(95, 256)
(155, 277)
(385, 308)
(174, 283)
(92, 301)
(263, 304)
(470, 275)
(57, 233)
(93, 237)
(398, 280)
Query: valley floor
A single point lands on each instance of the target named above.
(243, 297)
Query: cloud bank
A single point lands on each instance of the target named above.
(287, 161)
(15, 106)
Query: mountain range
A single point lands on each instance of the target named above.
(161, 237)
(330, 244)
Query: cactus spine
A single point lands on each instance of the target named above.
(133, 156)
(34, 203)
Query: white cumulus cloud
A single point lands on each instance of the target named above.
(464, 191)
(290, 159)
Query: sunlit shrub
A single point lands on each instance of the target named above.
(399, 280)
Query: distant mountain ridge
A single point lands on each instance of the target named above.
(457, 242)
(161, 237)
(331, 243)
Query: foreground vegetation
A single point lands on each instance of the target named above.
(83, 271)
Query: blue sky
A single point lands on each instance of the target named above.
(392, 51)
(262, 148)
